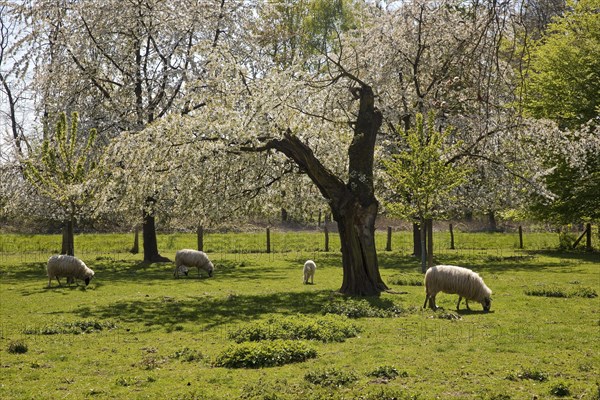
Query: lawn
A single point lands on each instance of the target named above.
(137, 332)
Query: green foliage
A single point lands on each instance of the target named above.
(188, 355)
(560, 390)
(530, 374)
(555, 291)
(331, 377)
(328, 328)
(64, 164)
(563, 82)
(17, 347)
(76, 328)
(406, 280)
(419, 174)
(359, 309)
(388, 372)
(264, 354)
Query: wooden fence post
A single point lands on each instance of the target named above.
(451, 237)
(136, 242)
(520, 237)
(200, 237)
(268, 240)
(388, 245)
(588, 238)
(326, 238)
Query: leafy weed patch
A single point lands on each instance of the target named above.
(265, 354)
(328, 328)
(352, 308)
(75, 328)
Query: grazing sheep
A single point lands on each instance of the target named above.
(187, 258)
(456, 280)
(309, 271)
(69, 267)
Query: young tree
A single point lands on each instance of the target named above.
(420, 175)
(65, 174)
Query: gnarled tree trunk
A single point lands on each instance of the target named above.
(353, 204)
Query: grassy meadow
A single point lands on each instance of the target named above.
(136, 332)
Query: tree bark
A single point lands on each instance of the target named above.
(416, 240)
(423, 237)
(68, 240)
(429, 242)
(151, 254)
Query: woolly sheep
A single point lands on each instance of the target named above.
(309, 271)
(69, 267)
(456, 280)
(187, 258)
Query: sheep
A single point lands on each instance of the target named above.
(456, 280)
(187, 258)
(70, 267)
(309, 271)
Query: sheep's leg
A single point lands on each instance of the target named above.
(467, 303)
(458, 304)
(58, 280)
(426, 298)
(432, 303)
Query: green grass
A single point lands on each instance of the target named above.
(136, 332)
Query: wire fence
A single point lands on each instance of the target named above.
(272, 244)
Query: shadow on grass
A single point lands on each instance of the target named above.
(521, 261)
(210, 312)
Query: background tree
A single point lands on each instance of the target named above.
(420, 176)
(65, 174)
(128, 64)
(563, 81)
(563, 84)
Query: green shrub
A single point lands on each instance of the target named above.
(17, 347)
(359, 309)
(328, 328)
(560, 390)
(331, 377)
(388, 372)
(264, 354)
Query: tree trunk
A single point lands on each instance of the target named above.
(68, 240)
(493, 226)
(417, 240)
(423, 241)
(151, 254)
(429, 242)
(356, 226)
(353, 204)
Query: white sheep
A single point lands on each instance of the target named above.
(186, 258)
(69, 267)
(309, 271)
(456, 280)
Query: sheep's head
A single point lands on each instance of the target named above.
(210, 269)
(487, 304)
(183, 269)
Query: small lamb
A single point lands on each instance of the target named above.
(309, 271)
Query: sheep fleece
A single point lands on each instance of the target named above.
(456, 280)
(68, 267)
(193, 258)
